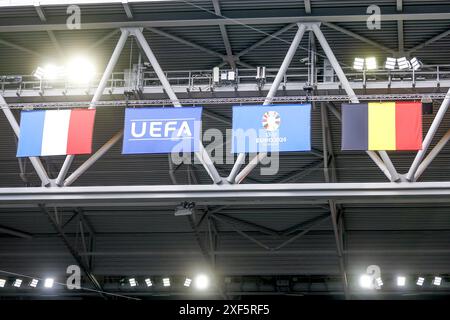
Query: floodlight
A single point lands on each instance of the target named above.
(17, 283)
(34, 283)
(187, 282)
(358, 64)
(390, 63)
(437, 281)
(48, 283)
(202, 282)
(365, 281)
(148, 282)
(2, 283)
(371, 63)
(133, 282)
(80, 70)
(401, 281)
(49, 72)
(379, 282)
(403, 63)
(415, 64)
(166, 282)
(420, 281)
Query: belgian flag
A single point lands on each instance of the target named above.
(382, 126)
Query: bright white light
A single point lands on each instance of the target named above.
(133, 282)
(148, 282)
(187, 282)
(17, 283)
(379, 282)
(437, 281)
(415, 63)
(390, 63)
(201, 282)
(80, 70)
(34, 283)
(2, 283)
(49, 72)
(166, 282)
(371, 63)
(401, 281)
(420, 281)
(365, 281)
(48, 283)
(403, 63)
(358, 64)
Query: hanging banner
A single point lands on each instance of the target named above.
(162, 130)
(55, 132)
(382, 126)
(271, 128)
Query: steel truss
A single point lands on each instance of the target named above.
(227, 191)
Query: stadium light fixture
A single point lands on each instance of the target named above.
(133, 282)
(48, 283)
(420, 281)
(415, 64)
(202, 282)
(358, 64)
(148, 282)
(401, 281)
(437, 281)
(2, 283)
(187, 282)
(49, 72)
(166, 282)
(365, 281)
(379, 282)
(403, 63)
(17, 283)
(34, 283)
(390, 63)
(371, 63)
(80, 70)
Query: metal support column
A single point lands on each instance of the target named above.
(273, 90)
(35, 161)
(429, 137)
(202, 155)
(348, 89)
(430, 157)
(97, 95)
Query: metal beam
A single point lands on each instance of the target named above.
(202, 154)
(265, 17)
(317, 193)
(433, 154)
(223, 32)
(73, 251)
(15, 232)
(196, 46)
(97, 95)
(307, 6)
(35, 161)
(430, 41)
(127, 9)
(351, 94)
(19, 47)
(270, 95)
(429, 137)
(359, 37)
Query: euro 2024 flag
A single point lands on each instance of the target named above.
(271, 128)
(162, 130)
(55, 132)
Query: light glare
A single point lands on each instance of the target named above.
(48, 283)
(202, 282)
(401, 281)
(365, 281)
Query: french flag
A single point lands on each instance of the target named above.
(55, 132)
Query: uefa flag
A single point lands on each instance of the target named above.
(55, 132)
(382, 126)
(271, 128)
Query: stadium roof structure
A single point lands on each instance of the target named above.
(311, 229)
